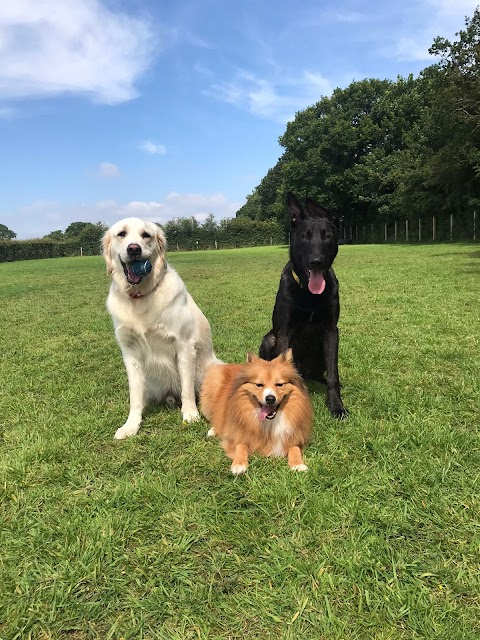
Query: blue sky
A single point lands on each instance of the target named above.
(163, 108)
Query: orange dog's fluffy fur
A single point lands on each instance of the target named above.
(258, 406)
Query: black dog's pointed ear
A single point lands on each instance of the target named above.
(295, 208)
(315, 209)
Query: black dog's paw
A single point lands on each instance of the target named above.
(340, 413)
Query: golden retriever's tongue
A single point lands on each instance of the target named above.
(133, 277)
(316, 282)
(263, 413)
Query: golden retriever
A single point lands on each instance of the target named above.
(165, 339)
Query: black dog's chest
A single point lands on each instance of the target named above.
(304, 313)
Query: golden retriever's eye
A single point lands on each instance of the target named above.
(145, 234)
(279, 384)
(258, 384)
(122, 234)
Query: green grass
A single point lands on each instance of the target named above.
(153, 538)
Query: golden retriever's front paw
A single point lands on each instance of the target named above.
(125, 432)
(190, 416)
(237, 469)
(211, 433)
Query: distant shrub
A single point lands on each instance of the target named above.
(12, 250)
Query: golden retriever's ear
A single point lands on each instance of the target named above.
(251, 357)
(106, 248)
(161, 241)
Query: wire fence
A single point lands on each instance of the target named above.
(434, 229)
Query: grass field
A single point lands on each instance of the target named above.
(153, 538)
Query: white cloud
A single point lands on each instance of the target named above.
(42, 217)
(441, 18)
(184, 205)
(277, 98)
(55, 47)
(153, 148)
(108, 170)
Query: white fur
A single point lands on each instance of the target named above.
(237, 469)
(280, 429)
(165, 339)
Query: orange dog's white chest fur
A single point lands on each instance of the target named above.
(258, 406)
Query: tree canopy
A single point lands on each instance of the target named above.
(381, 150)
(6, 233)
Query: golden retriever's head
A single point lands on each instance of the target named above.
(129, 240)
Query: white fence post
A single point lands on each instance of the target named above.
(406, 230)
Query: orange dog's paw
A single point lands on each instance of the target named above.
(299, 467)
(237, 469)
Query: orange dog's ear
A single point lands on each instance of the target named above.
(161, 240)
(251, 357)
(106, 248)
(286, 356)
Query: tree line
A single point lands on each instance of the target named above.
(381, 151)
(84, 238)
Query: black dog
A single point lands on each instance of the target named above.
(307, 307)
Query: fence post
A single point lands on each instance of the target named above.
(406, 230)
(474, 226)
(434, 228)
(81, 251)
(451, 227)
(419, 230)
(395, 230)
(385, 236)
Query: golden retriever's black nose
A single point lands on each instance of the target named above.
(134, 250)
(270, 399)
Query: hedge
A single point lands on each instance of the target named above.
(12, 250)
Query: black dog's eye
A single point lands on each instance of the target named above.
(145, 234)
(328, 236)
(307, 235)
(258, 384)
(122, 234)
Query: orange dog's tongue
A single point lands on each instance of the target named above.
(316, 282)
(264, 411)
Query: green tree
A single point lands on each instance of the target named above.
(6, 233)
(92, 233)
(55, 235)
(75, 229)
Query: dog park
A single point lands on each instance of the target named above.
(152, 537)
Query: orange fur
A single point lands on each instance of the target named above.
(233, 397)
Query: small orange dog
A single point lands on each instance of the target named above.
(259, 407)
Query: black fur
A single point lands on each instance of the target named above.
(306, 321)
